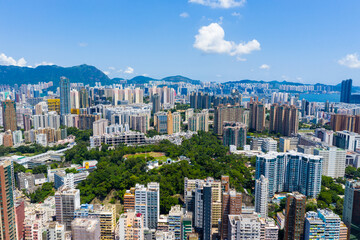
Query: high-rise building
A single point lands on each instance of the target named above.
(170, 126)
(333, 161)
(199, 121)
(53, 106)
(99, 127)
(341, 122)
(343, 232)
(156, 103)
(257, 116)
(346, 87)
(234, 133)
(284, 119)
(85, 229)
(56, 231)
(83, 98)
(74, 99)
(66, 202)
(160, 122)
(323, 224)
(188, 114)
(295, 216)
(291, 171)
(347, 140)
(19, 217)
(207, 211)
(65, 104)
(7, 205)
(261, 196)
(186, 225)
(9, 115)
(130, 226)
(86, 121)
(231, 205)
(252, 226)
(351, 211)
(175, 220)
(129, 200)
(288, 143)
(229, 114)
(147, 203)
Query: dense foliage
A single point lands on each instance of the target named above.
(80, 135)
(28, 149)
(208, 158)
(329, 195)
(46, 190)
(352, 172)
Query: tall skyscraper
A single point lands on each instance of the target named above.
(257, 116)
(130, 226)
(340, 122)
(7, 205)
(169, 123)
(9, 115)
(351, 211)
(207, 211)
(199, 121)
(291, 171)
(147, 203)
(284, 119)
(84, 98)
(334, 161)
(155, 99)
(66, 202)
(231, 205)
(161, 122)
(65, 104)
(261, 196)
(234, 133)
(346, 87)
(229, 114)
(294, 216)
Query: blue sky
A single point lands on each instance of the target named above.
(211, 40)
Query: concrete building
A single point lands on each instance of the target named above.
(26, 181)
(85, 229)
(199, 121)
(257, 116)
(229, 114)
(323, 224)
(175, 221)
(17, 137)
(269, 145)
(65, 104)
(231, 205)
(347, 140)
(262, 196)
(9, 115)
(333, 161)
(234, 133)
(66, 201)
(41, 139)
(130, 226)
(129, 137)
(147, 203)
(161, 122)
(252, 226)
(53, 105)
(342, 122)
(99, 127)
(291, 171)
(284, 119)
(351, 209)
(326, 136)
(129, 200)
(55, 231)
(288, 143)
(295, 216)
(7, 208)
(156, 103)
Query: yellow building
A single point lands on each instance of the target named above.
(54, 105)
(75, 111)
(107, 218)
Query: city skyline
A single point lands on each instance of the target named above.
(207, 40)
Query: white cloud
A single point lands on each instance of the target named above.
(350, 60)
(112, 68)
(220, 3)
(184, 15)
(265, 66)
(129, 70)
(5, 60)
(236, 14)
(82, 44)
(211, 39)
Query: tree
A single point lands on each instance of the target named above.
(40, 169)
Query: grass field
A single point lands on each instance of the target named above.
(159, 156)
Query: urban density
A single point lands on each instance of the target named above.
(88, 155)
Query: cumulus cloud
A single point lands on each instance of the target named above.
(236, 14)
(129, 70)
(211, 39)
(5, 60)
(184, 15)
(220, 3)
(350, 61)
(265, 66)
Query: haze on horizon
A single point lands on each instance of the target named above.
(208, 40)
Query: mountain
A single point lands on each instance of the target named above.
(179, 78)
(141, 80)
(24, 75)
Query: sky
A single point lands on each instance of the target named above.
(210, 40)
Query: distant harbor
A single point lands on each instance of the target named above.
(313, 97)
